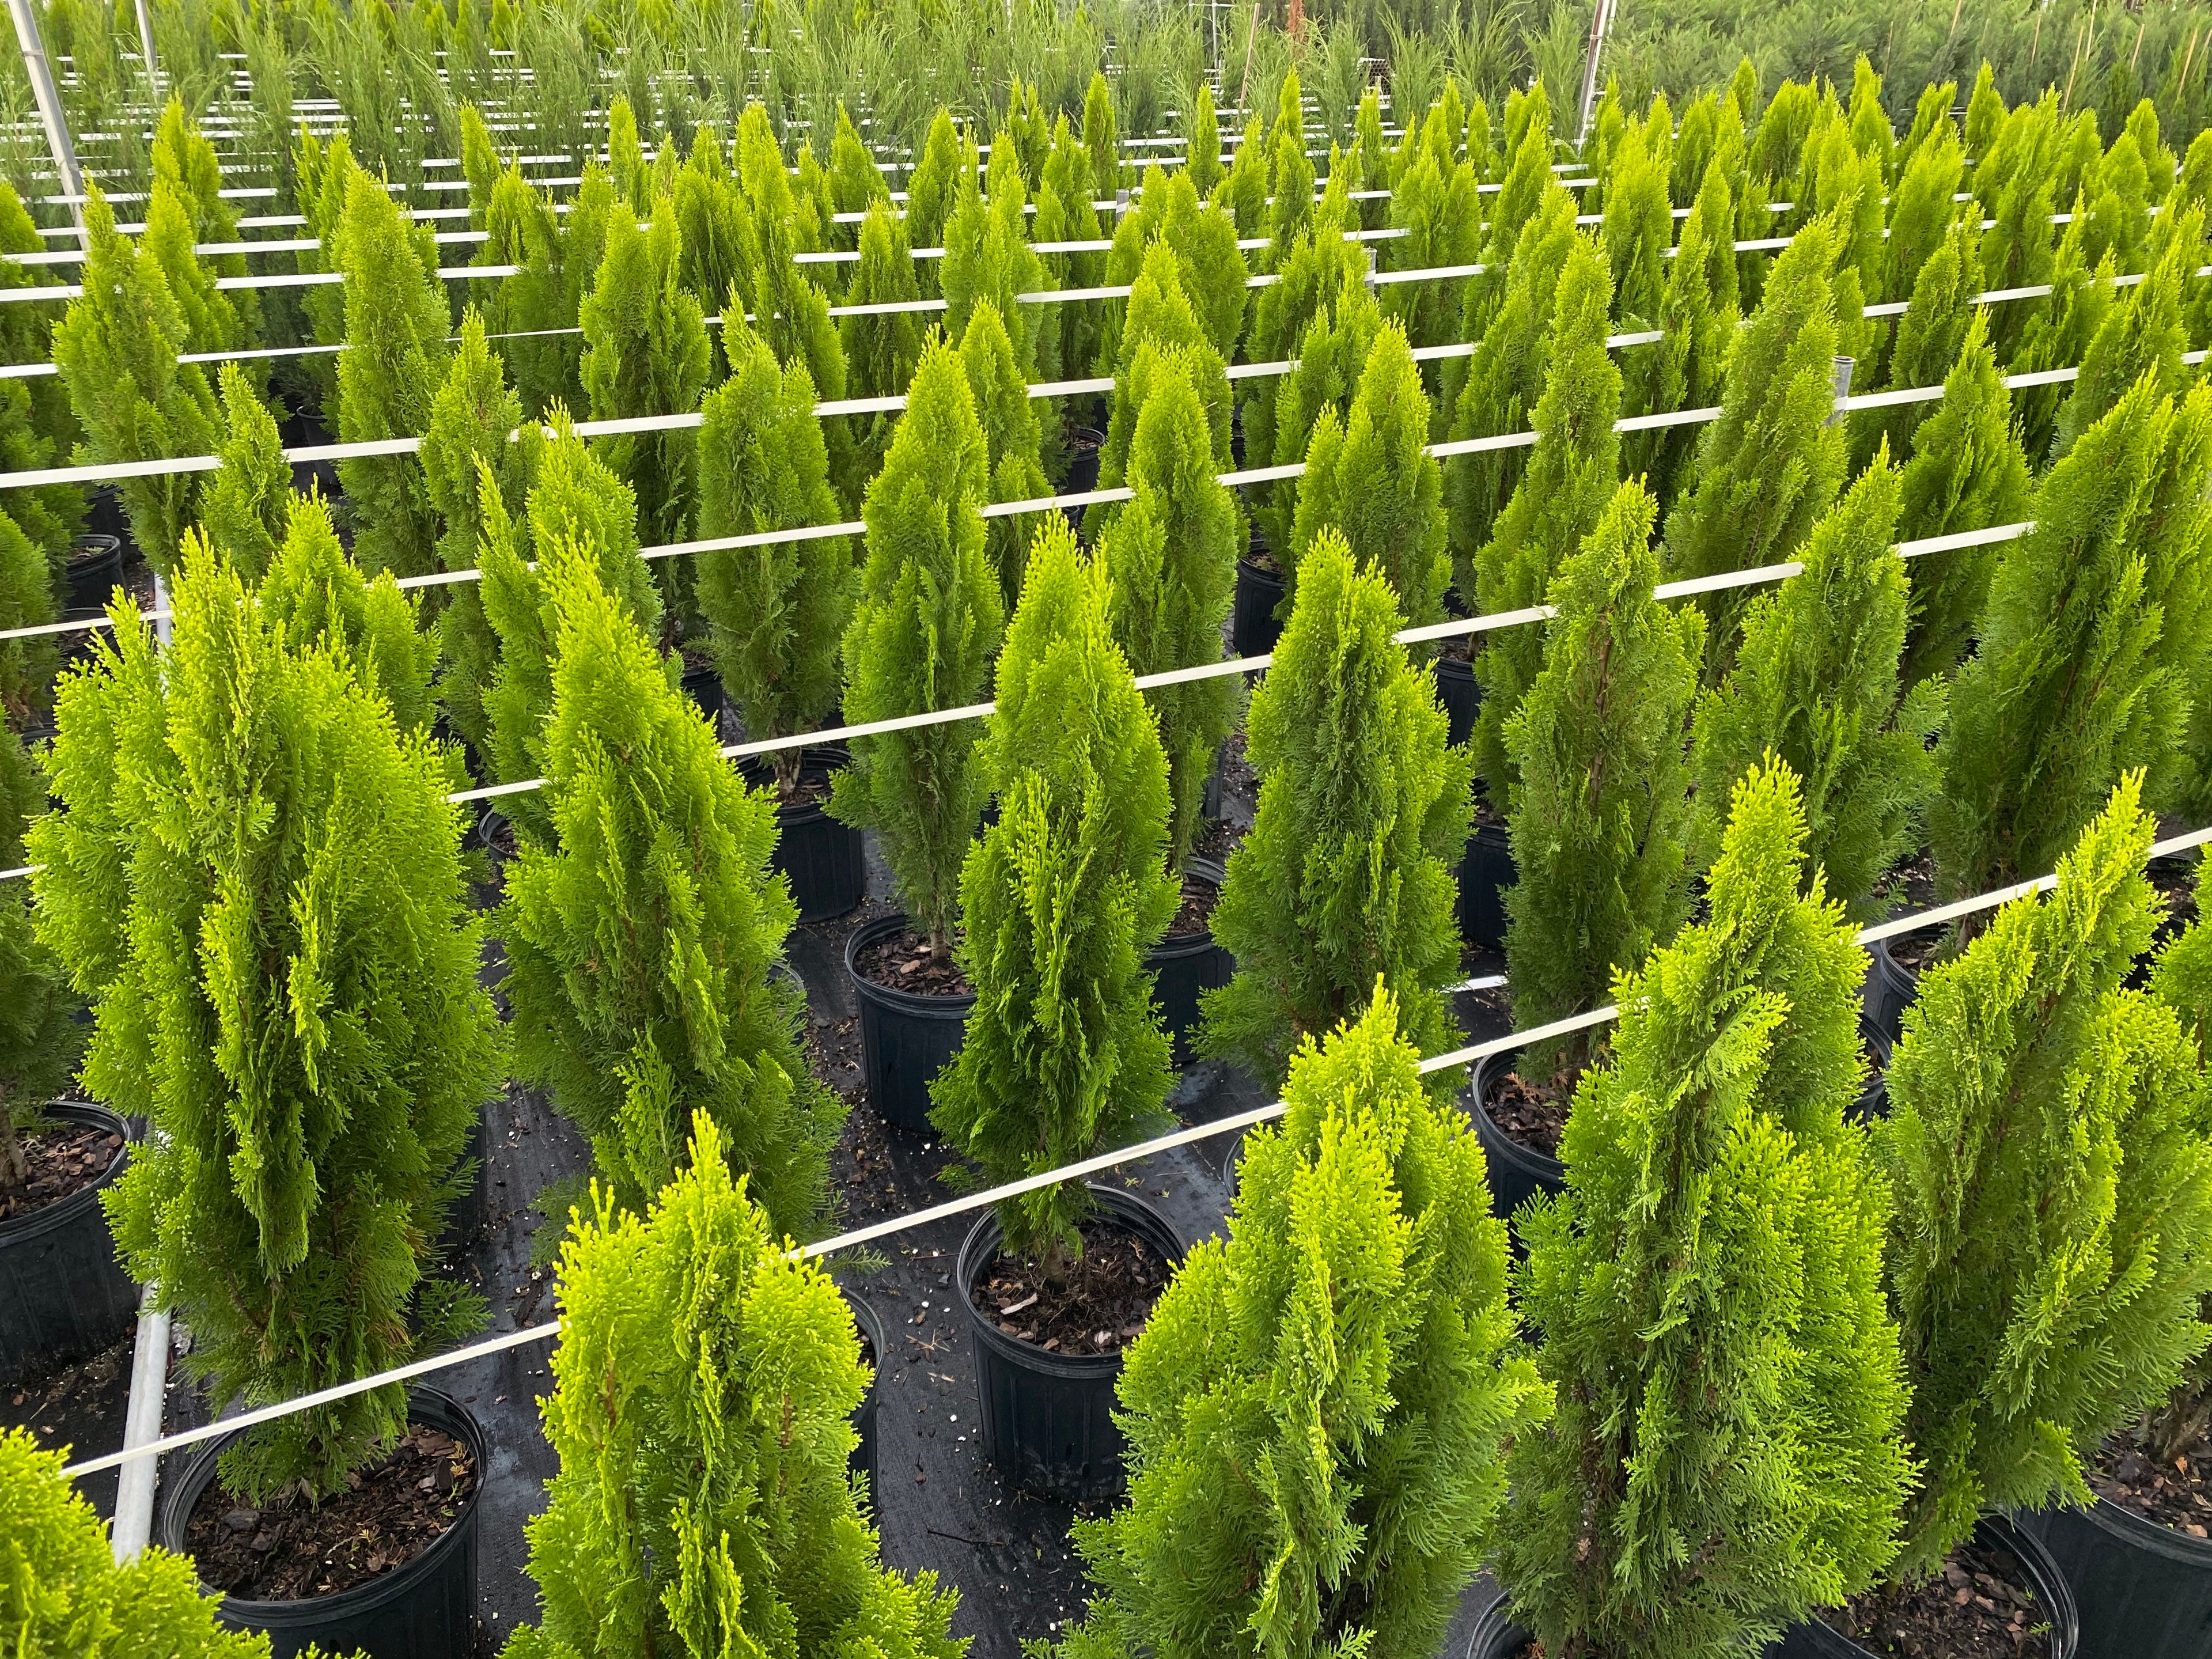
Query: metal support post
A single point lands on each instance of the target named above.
(50, 109)
(146, 48)
(1843, 389)
(1600, 26)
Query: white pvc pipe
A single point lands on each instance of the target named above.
(142, 1426)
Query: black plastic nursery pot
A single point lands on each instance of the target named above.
(1462, 697)
(1485, 870)
(1517, 1173)
(93, 572)
(2144, 1591)
(1253, 626)
(1047, 1422)
(905, 1039)
(1495, 1635)
(1888, 990)
(703, 685)
(306, 432)
(424, 1608)
(1873, 1100)
(62, 1293)
(1085, 445)
(825, 860)
(1184, 965)
(1815, 1640)
(864, 1458)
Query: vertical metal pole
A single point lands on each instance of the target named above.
(1600, 26)
(146, 49)
(1843, 389)
(50, 109)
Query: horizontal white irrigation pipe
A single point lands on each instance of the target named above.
(969, 1202)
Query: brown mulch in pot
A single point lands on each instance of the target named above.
(2176, 1494)
(291, 1550)
(1102, 1308)
(1531, 1115)
(901, 961)
(1981, 1606)
(1195, 913)
(64, 1159)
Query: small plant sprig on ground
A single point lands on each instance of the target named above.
(1064, 1053)
(1170, 562)
(1362, 1229)
(2053, 1186)
(1600, 816)
(777, 611)
(1347, 874)
(1709, 1288)
(922, 637)
(311, 1115)
(2070, 685)
(1571, 473)
(116, 350)
(66, 1595)
(703, 1501)
(1816, 684)
(639, 945)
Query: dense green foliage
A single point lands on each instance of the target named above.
(1316, 1407)
(1725, 1455)
(39, 1037)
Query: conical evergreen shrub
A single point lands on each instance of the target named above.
(67, 1597)
(880, 350)
(1347, 872)
(1169, 557)
(1371, 479)
(1282, 1502)
(1011, 437)
(1064, 1054)
(703, 1390)
(1684, 369)
(2070, 684)
(778, 611)
(1601, 818)
(923, 636)
(26, 600)
(1770, 465)
(2057, 332)
(244, 507)
(1930, 336)
(1724, 1456)
(312, 594)
(314, 1060)
(1967, 473)
(2053, 1182)
(2141, 335)
(1816, 684)
(116, 350)
(639, 947)
(1571, 474)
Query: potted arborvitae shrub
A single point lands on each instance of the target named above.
(67, 1296)
(1353, 1327)
(244, 510)
(1347, 873)
(880, 350)
(2071, 682)
(67, 1594)
(640, 943)
(1571, 473)
(1063, 1055)
(573, 495)
(1169, 557)
(2134, 1557)
(1815, 683)
(1725, 1453)
(396, 323)
(923, 633)
(1601, 826)
(312, 1070)
(2052, 1185)
(703, 1389)
(1967, 473)
(1772, 463)
(1011, 437)
(777, 610)
(116, 350)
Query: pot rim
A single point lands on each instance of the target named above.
(37, 1223)
(199, 1473)
(1175, 947)
(927, 1005)
(2140, 1532)
(826, 758)
(978, 1249)
(1488, 1069)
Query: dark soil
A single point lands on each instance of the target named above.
(1195, 914)
(79, 1407)
(1532, 1115)
(1485, 814)
(901, 961)
(2179, 1495)
(64, 1159)
(1101, 1309)
(1261, 558)
(2175, 879)
(396, 1508)
(1980, 1607)
(811, 789)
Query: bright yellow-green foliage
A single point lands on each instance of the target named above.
(245, 507)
